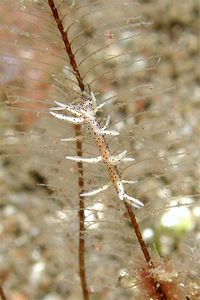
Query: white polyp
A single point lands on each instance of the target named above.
(57, 108)
(86, 160)
(123, 196)
(73, 120)
(100, 106)
(114, 160)
(109, 132)
(72, 139)
(94, 102)
(60, 104)
(129, 181)
(127, 159)
(70, 108)
(107, 123)
(135, 202)
(96, 191)
(120, 190)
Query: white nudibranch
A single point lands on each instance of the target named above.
(85, 113)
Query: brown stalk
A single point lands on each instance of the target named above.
(2, 294)
(160, 294)
(67, 44)
(82, 272)
(138, 233)
(79, 150)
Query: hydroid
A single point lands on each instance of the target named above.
(115, 135)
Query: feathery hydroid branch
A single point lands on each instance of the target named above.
(84, 113)
(82, 270)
